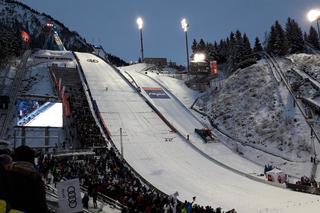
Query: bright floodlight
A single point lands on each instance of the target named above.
(140, 23)
(184, 25)
(199, 57)
(313, 15)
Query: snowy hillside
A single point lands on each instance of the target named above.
(18, 15)
(255, 109)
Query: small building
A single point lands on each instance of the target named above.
(161, 62)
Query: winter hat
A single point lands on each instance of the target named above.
(5, 159)
(24, 153)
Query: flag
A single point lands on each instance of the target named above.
(214, 67)
(25, 37)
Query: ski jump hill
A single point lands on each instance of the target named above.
(155, 124)
(159, 143)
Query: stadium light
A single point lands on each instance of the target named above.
(314, 15)
(140, 26)
(185, 26)
(199, 57)
(140, 23)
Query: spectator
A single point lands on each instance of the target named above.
(166, 208)
(94, 197)
(26, 188)
(85, 201)
(6, 161)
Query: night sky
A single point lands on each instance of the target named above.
(112, 23)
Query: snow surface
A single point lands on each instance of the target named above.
(182, 118)
(188, 96)
(177, 166)
(253, 108)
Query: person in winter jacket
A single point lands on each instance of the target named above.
(85, 201)
(26, 190)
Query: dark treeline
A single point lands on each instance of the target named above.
(11, 25)
(116, 61)
(10, 43)
(236, 51)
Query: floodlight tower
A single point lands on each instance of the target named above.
(140, 26)
(185, 26)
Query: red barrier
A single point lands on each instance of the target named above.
(105, 124)
(66, 105)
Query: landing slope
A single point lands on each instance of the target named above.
(175, 165)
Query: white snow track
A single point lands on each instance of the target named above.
(176, 166)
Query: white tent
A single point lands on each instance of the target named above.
(276, 175)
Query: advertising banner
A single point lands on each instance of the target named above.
(214, 67)
(156, 93)
(69, 197)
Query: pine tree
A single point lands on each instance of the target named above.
(10, 43)
(246, 58)
(231, 56)
(210, 51)
(257, 48)
(305, 36)
(246, 45)
(294, 36)
(313, 38)
(201, 47)
(223, 50)
(238, 51)
(271, 40)
(194, 46)
(277, 41)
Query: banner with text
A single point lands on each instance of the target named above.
(155, 92)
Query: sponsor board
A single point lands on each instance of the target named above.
(155, 92)
(69, 197)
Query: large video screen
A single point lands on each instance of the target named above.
(35, 113)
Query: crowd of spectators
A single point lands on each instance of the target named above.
(106, 173)
(83, 127)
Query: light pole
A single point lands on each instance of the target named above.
(185, 26)
(314, 15)
(140, 26)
